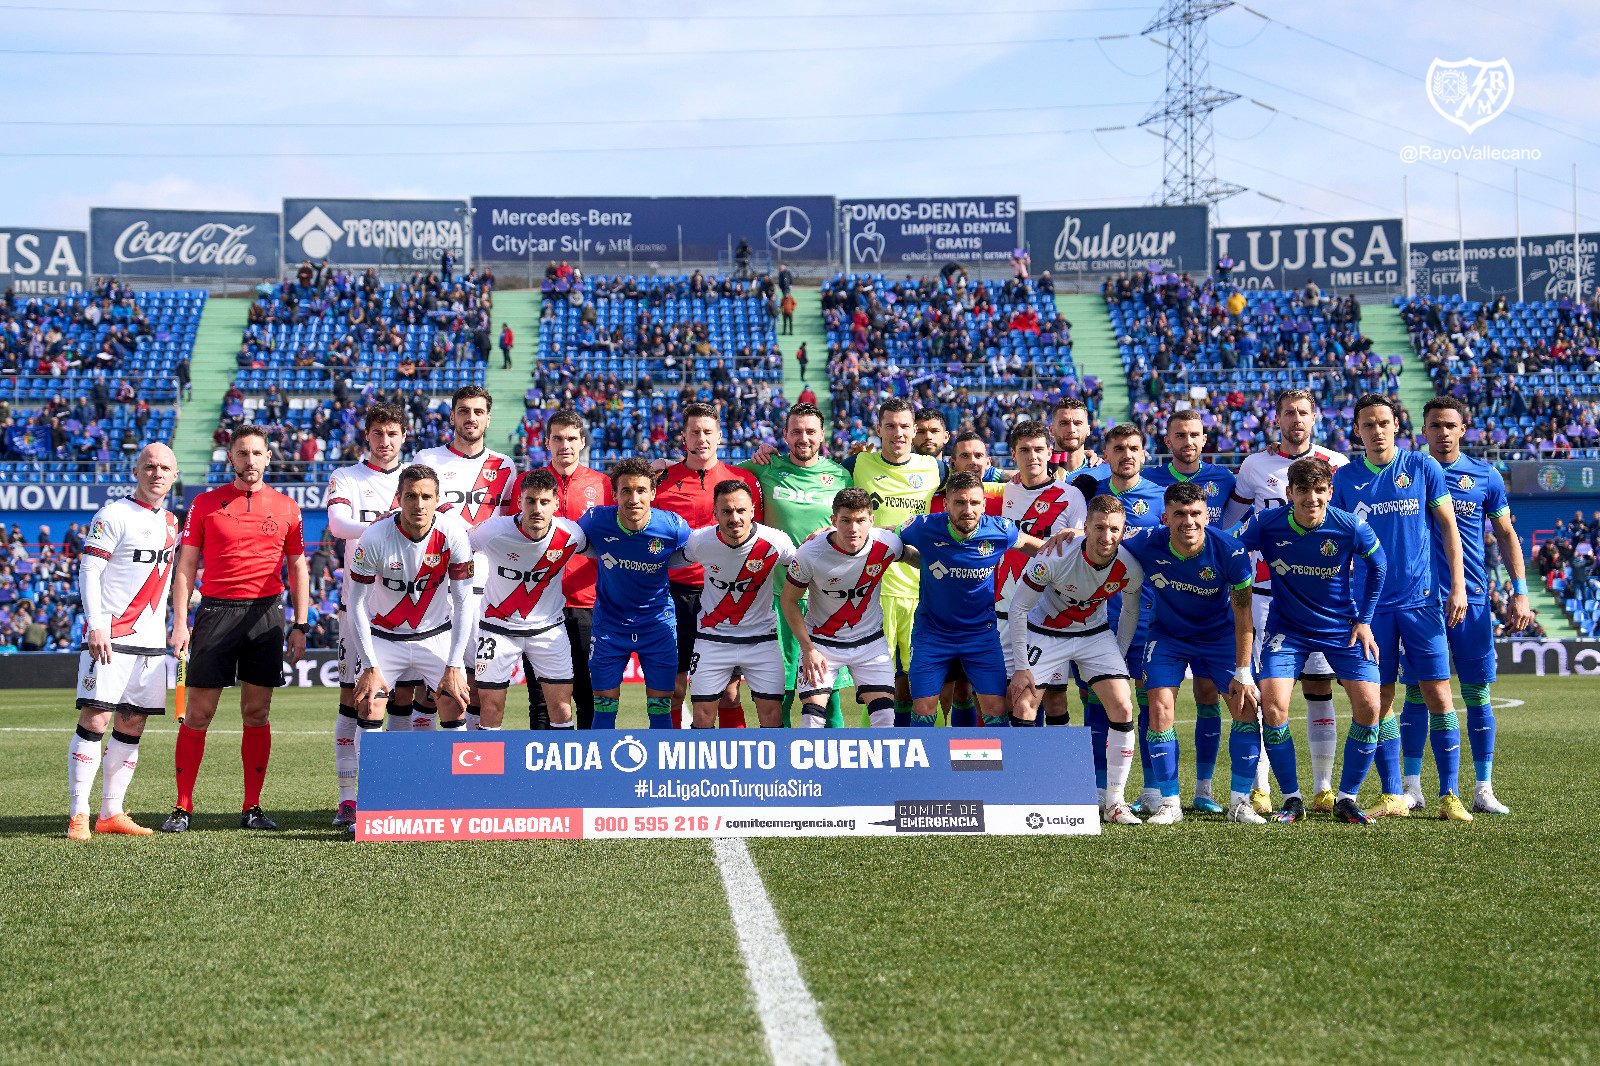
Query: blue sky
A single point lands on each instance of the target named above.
(182, 103)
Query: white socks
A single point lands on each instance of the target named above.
(400, 721)
(1322, 733)
(83, 762)
(474, 720)
(422, 719)
(121, 759)
(346, 754)
(1120, 750)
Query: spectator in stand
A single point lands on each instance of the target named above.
(788, 307)
(507, 340)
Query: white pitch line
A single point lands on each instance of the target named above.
(795, 1035)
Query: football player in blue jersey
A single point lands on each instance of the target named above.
(633, 609)
(1479, 494)
(1199, 580)
(1123, 478)
(1185, 438)
(1320, 603)
(1402, 496)
(955, 620)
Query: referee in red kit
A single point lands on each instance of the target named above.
(242, 533)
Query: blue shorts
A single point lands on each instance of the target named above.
(933, 652)
(657, 648)
(1165, 660)
(1285, 655)
(1471, 648)
(1413, 636)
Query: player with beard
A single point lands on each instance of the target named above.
(1070, 429)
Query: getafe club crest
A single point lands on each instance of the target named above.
(655, 546)
(985, 549)
(1402, 481)
(1140, 507)
(1207, 574)
(1329, 548)
(1470, 92)
(1464, 482)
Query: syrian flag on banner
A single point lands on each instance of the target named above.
(975, 755)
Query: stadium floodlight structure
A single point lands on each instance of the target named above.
(1182, 118)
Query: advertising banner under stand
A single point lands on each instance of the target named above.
(1491, 267)
(620, 228)
(147, 242)
(1336, 255)
(792, 782)
(1113, 239)
(396, 234)
(43, 262)
(885, 233)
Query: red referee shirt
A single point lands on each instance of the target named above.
(689, 495)
(575, 494)
(243, 539)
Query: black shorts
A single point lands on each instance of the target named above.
(237, 640)
(686, 608)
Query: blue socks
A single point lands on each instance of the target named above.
(1280, 753)
(1244, 752)
(902, 713)
(1388, 756)
(1207, 740)
(1360, 747)
(922, 721)
(1444, 731)
(964, 715)
(605, 713)
(1163, 748)
(659, 708)
(1094, 716)
(1480, 731)
(996, 721)
(1413, 730)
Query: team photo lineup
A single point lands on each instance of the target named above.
(926, 590)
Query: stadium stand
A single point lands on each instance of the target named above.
(983, 353)
(627, 350)
(1531, 369)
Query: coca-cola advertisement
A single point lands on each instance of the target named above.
(143, 242)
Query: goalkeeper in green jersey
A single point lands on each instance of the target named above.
(797, 493)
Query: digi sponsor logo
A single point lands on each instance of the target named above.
(478, 757)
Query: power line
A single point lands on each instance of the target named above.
(586, 123)
(644, 53)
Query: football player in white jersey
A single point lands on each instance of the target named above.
(474, 484)
(736, 632)
(358, 495)
(1041, 505)
(124, 579)
(522, 610)
(1263, 483)
(843, 625)
(1063, 599)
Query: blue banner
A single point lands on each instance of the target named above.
(43, 262)
(792, 782)
(650, 229)
(1107, 240)
(409, 234)
(152, 243)
(970, 229)
(1336, 255)
(1491, 267)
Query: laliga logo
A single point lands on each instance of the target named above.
(868, 243)
(316, 233)
(788, 229)
(1470, 92)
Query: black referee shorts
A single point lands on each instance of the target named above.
(237, 640)
(686, 606)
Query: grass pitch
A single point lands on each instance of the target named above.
(1205, 942)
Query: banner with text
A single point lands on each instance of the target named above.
(884, 233)
(1548, 658)
(693, 228)
(836, 782)
(1491, 267)
(1336, 255)
(1112, 239)
(138, 242)
(43, 262)
(409, 234)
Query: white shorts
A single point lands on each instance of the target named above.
(714, 663)
(869, 664)
(1316, 663)
(411, 662)
(1095, 654)
(347, 654)
(500, 650)
(129, 683)
(1003, 623)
